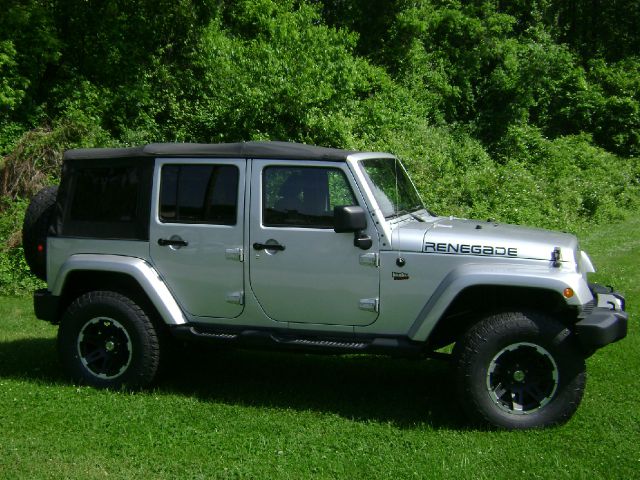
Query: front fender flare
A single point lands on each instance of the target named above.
(146, 276)
(466, 276)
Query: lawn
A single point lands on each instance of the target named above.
(237, 414)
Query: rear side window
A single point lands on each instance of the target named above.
(199, 194)
(105, 199)
(106, 195)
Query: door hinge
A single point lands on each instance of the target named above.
(237, 298)
(369, 304)
(371, 259)
(234, 254)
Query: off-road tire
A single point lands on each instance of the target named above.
(107, 341)
(518, 370)
(35, 228)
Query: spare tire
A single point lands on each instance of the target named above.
(35, 228)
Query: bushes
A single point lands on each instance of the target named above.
(566, 184)
(36, 159)
(34, 163)
(15, 277)
(492, 114)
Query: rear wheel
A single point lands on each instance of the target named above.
(106, 340)
(519, 370)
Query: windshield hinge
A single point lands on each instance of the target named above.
(371, 259)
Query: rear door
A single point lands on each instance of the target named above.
(196, 233)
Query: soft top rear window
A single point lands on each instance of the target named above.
(106, 199)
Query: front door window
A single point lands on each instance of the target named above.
(303, 196)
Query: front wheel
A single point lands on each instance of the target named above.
(106, 340)
(519, 370)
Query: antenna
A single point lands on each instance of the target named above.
(400, 261)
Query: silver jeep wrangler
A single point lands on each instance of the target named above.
(270, 244)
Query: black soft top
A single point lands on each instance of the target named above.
(268, 150)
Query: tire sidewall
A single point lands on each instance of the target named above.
(89, 307)
(536, 330)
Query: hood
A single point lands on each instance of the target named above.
(454, 236)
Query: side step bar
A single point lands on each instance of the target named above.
(287, 340)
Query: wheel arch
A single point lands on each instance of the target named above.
(472, 290)
(132, 277)
(474, 302)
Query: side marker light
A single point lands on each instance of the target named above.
(568, 292)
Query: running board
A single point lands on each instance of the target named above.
(305, 342)
(302, 341)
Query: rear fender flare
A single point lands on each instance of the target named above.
(146, 276)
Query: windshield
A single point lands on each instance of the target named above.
(391, 187)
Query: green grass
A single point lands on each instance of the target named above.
(272, 415)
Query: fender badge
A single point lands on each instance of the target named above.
(400, 276)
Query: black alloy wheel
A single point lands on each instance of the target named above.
(107, 340)
(518, 370)
(522, 378)
(104, 347)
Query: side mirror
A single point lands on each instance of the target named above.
(352, 219)
(349, 219)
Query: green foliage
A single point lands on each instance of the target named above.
(15, 276)
(616, 105)
(34, 163)
(11, 84)
(475, 64)
(36, 159)
(596, 28)
(29, 47)
(277, 73)
(522, 111)
(576, 183)
(566, 183)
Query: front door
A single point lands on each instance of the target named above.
(196, 234)
(301, 270)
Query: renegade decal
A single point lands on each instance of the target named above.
(464, 249)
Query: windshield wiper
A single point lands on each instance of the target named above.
(418, 218)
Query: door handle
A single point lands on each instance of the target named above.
(172, 242)
(265, 246)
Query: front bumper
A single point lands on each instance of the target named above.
(604, 321)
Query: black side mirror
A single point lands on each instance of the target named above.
(349, 219)
(352, 219)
